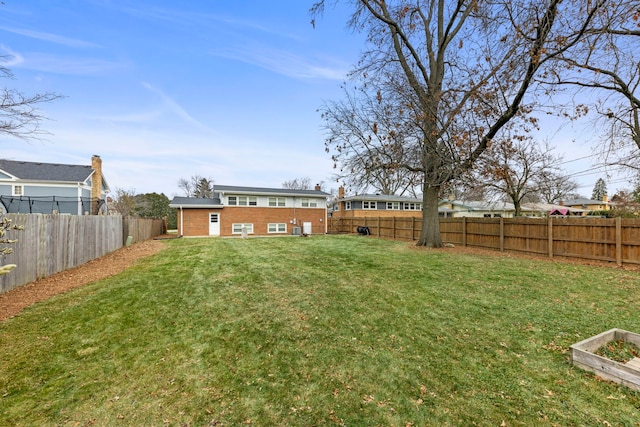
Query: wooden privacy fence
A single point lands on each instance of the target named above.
(141, 228)
(603, 239)
(53, 243)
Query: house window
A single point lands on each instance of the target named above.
(247, 201)
(18, 190)
(309, 203)
(277, 228)
(347, 206)
(243, 201)
(412, 206)
(237, 228)
(369, 205)
(393, 206)
(277, 201)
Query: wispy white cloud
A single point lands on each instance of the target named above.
(189, 19)
(286, 63)
(176, 108)
(68, 65)
(49, 37)
(139, 117)
(10, 58)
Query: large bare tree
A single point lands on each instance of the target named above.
(605, 66)
(466, 72)
(368, 139)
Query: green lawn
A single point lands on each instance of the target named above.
(325, 330)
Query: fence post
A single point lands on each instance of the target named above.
(550, 235)
(464, 231)
(394, 227)
(619, 240)
(413, 228)
(501, 234)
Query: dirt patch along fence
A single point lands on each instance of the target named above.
(602, 239)
(53, 243)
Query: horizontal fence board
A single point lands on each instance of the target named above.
(50, 244)
(602, 239)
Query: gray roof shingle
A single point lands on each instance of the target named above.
(46, 171)
(261, 190)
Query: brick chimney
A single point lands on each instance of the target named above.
(318, 188)
(96, 184)
(341, 192)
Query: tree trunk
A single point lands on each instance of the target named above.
(517, 208)
(430, 234)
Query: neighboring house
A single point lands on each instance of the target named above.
(549, 209)
(374, 205)
(481, 209)
(589, 205)
(32, 187)
(236, 211)
(475, 209)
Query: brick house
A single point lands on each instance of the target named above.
(256, 211)
(374, 205)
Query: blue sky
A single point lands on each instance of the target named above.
(164, 90)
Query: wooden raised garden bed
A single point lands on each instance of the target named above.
(583, 355)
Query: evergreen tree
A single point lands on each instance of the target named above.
(203, 189)
(599, 190)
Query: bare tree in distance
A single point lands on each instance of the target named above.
(555, 187)
(124, 201)
(19, 115)
(466, 72)
(515, 170)
(197, 186)
(303, 183)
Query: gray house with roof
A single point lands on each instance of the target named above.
(49, 188)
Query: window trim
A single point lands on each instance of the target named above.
(412, 206)
(239, 225)
(278, 228)
(277, 202)
(369, 205)
(309, 203)
(14, 187)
